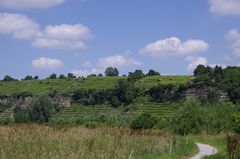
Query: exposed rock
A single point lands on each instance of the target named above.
(203, 92)
(62, 101)
(23, 102)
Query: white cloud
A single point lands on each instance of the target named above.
(86, 72)
(234, 37)
(58, 44)
(117, 61)
(20, 26)
(64, 36)
(23, 4)
(225, 7)
(214, 65)
(194, 62)
(174, 46)
(45, 63)
(67, 32)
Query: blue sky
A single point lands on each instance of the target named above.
(39, 37)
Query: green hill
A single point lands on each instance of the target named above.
(34, 87)
(56, 85)
(152, 81)
(68, 86)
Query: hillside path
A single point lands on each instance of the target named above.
(204, 150)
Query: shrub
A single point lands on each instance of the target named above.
(41, 109)
(6, 121)
(187, 119)
(143, 121)
(162, 123)
(21, 117)
(193, 117)
(3, 107)
(110, 71)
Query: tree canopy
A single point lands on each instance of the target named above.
(110, 71)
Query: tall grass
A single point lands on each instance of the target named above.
(28, 141)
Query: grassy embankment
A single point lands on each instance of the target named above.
(40, 142)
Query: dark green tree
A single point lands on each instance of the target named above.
(136, 75)
(28, 77)
(143, 121)
(110, 71)
(71, 75)
(152, 73)
(36, 78)
(188, 118)
(200, 70)
(8, 78)
(40, 109)
(53, 76)
(115, 102)
(62, 76)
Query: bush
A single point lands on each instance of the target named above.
(41, 109)
(193, 117)
(187, 119)
(143, 121)
(162, 123)
(6, 121)
(3, 107)
(21, 117)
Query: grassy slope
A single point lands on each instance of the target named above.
(151, 81)
(80, 112)
(69, 85)
(57, 85)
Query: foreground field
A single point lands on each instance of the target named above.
(40, 142)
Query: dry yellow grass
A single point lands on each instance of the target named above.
(31, 141)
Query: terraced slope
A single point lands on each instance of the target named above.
(6, 115)
(78, 111)
(156, 109)
(69, 85)
(152, 81)
(57, 85)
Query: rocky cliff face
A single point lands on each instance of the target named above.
(23, 102)
(204, 92)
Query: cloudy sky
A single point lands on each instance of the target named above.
(39, 37)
